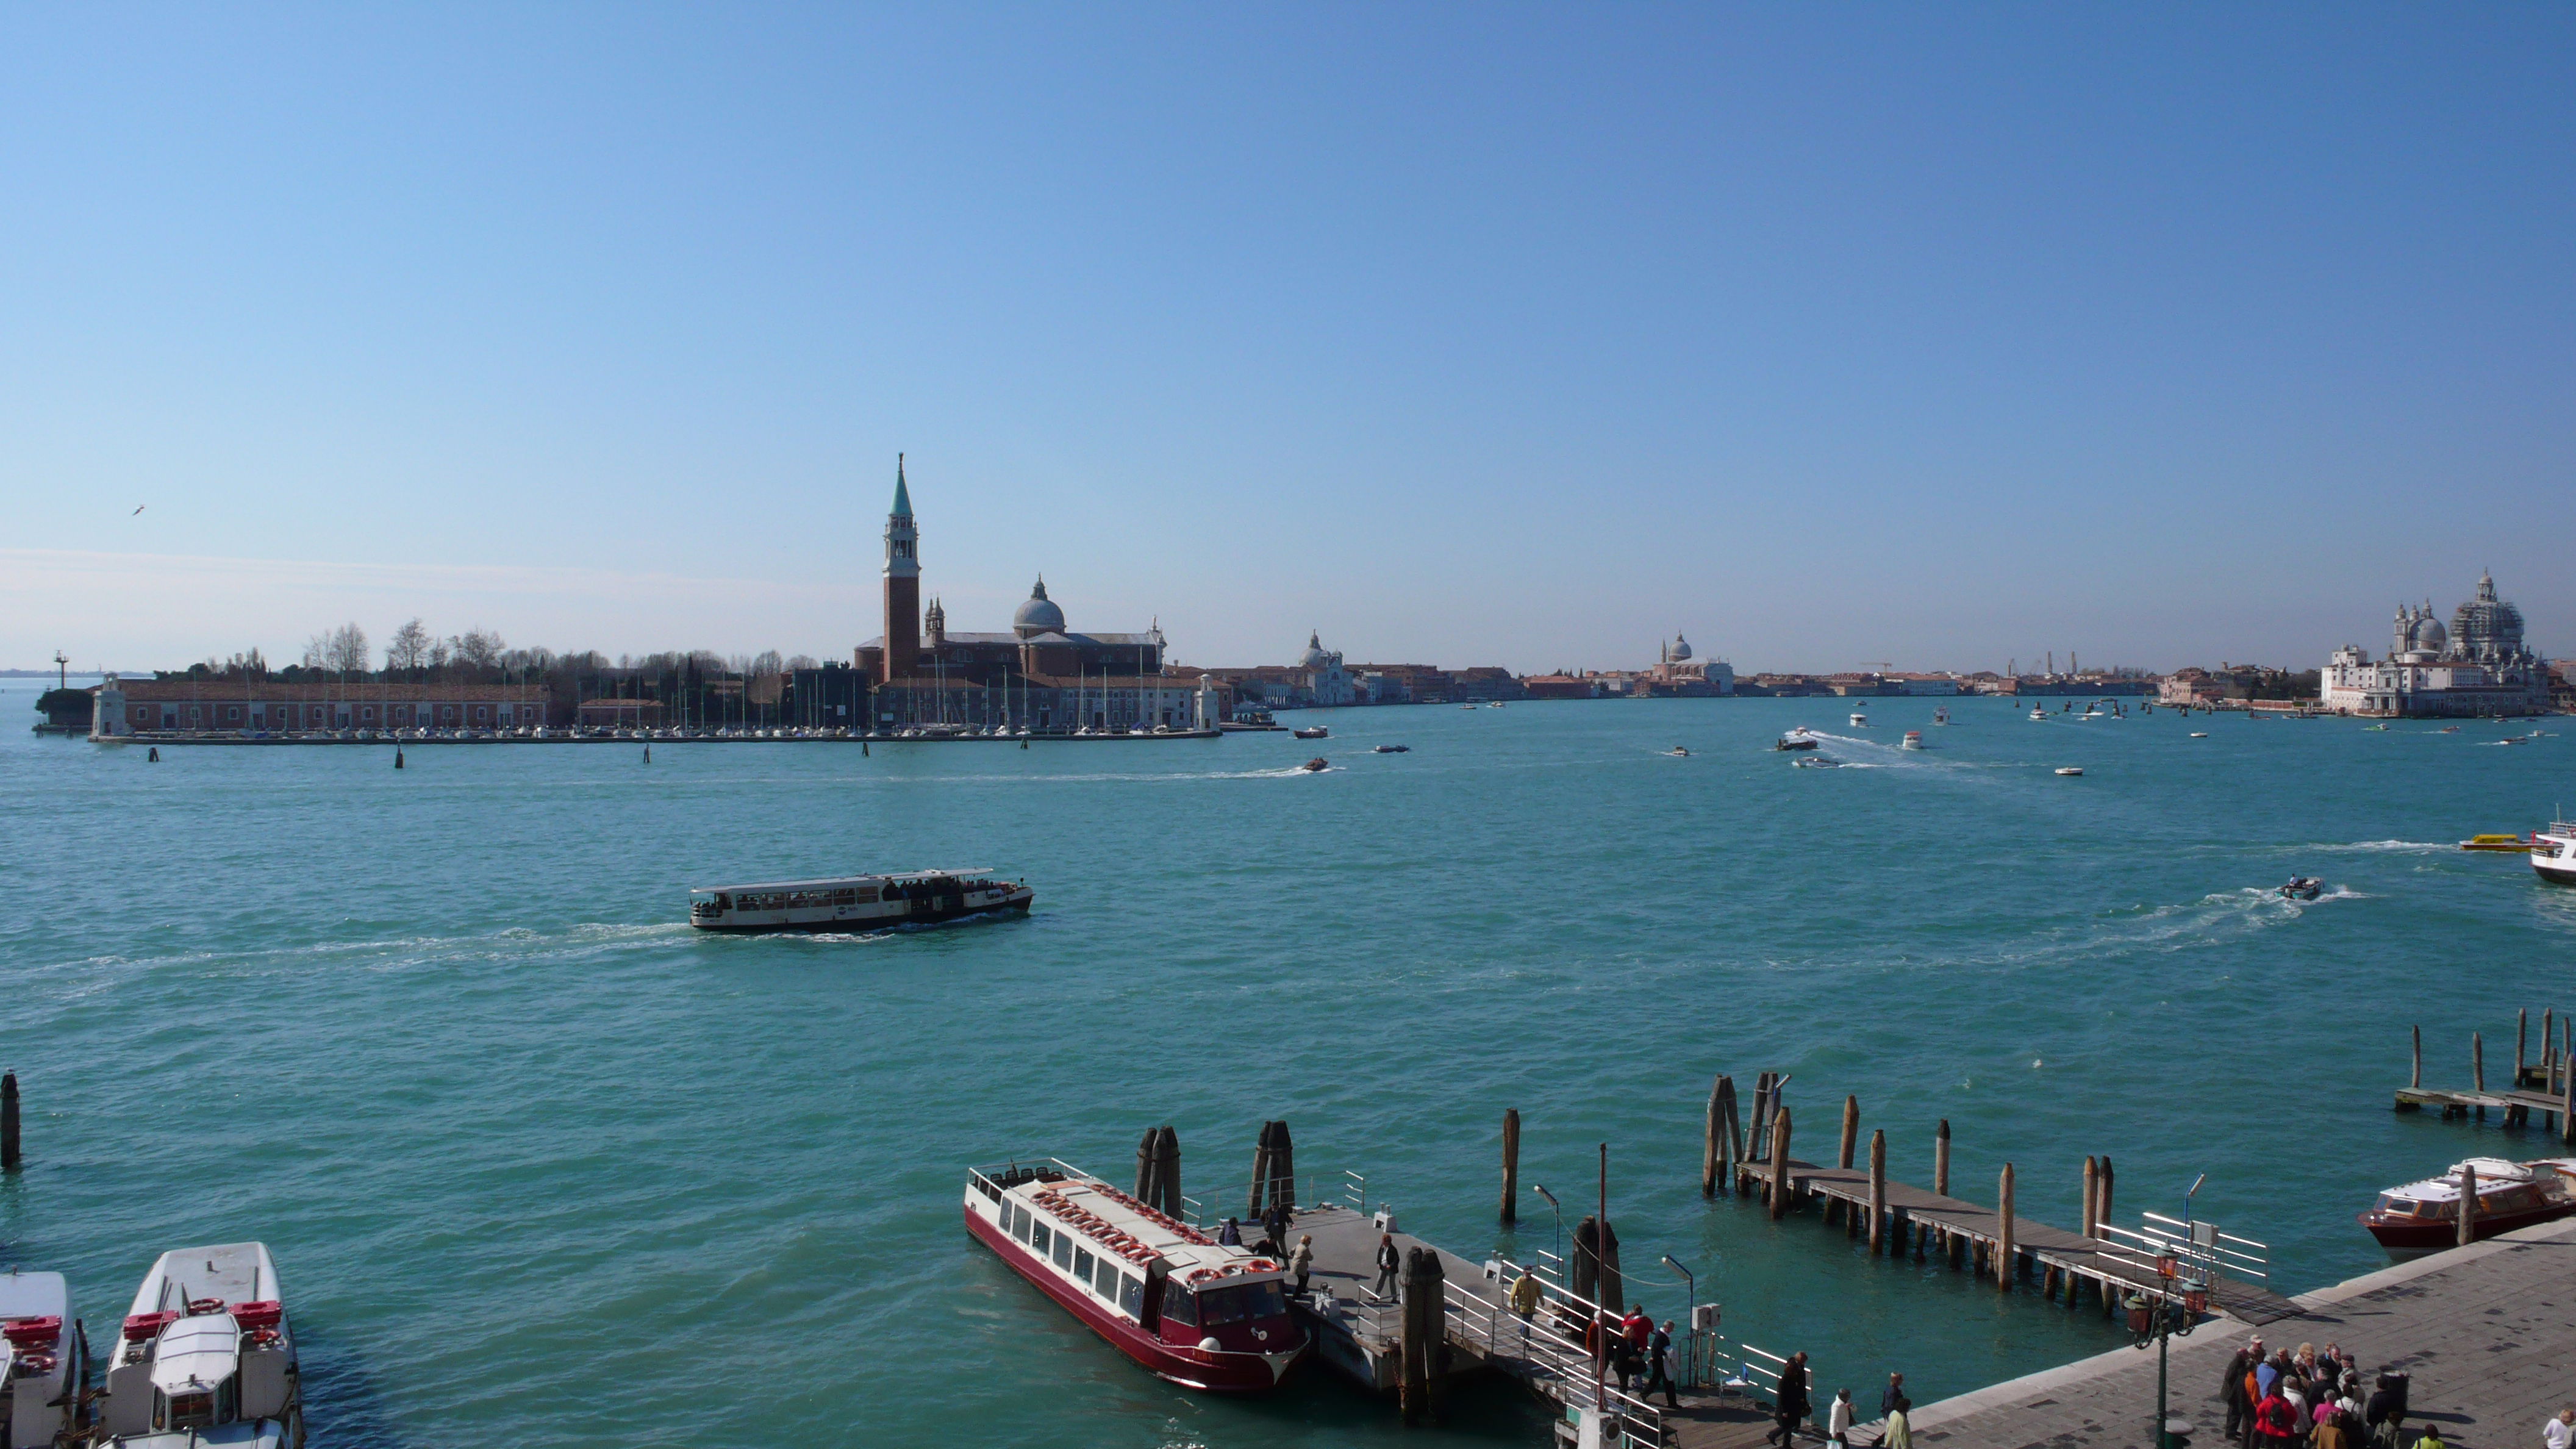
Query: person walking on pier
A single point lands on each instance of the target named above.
(2231, 1388)
(1388, 1260)
(1888, 1396)
(1231, 1235)
(1275, 1221)
(1838, 1420)
(2560, 1431)
(1659, 1356)
(1899, 1430)
(1792, 1407)
(1301, 1259)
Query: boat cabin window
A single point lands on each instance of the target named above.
(2401, 1206)
(1038, 1238)
(1246, 1301)
(1082, 1265)
(1104, 1281)
(1131, 1296)
(1179, 1305)
(1063, 1251)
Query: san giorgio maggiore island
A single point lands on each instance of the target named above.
(1045, 679)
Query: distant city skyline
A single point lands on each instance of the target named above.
(1462, 335)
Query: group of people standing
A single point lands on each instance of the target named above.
(2310, 1400)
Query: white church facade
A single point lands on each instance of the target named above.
(2478, 666)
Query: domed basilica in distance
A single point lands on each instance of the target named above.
(2479, 665)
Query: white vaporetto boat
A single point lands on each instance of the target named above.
(2553, 853)
(856, 902)
(41, 1373)
(206, 1357)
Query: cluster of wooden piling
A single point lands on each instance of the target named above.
(2548, 1085)
(9, 1122)
(1274, 1172)
(1158, 1171)
(1424, 1334)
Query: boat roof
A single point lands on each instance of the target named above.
(2494, 1175)
(34, 1295)
(845, 880)
(196, 1353)
(233, 1272)
(1183, 1248)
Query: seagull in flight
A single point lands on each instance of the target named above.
(138, 508)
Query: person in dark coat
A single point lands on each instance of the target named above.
(1388, 1260)
(1793, 1406)
(2231, 1389)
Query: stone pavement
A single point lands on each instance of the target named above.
(2487, 1333)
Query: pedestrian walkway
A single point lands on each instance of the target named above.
(2484, 1332)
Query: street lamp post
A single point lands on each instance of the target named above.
(1690, 1315)
(1552, 1207)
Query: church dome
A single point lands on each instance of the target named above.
(1681, 649)
(1038, 615)
(1315, 657)
(2428, 634)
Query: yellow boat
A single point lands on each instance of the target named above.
(2495, 842)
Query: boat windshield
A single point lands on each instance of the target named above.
(1242, 1302)
(2401, 1206)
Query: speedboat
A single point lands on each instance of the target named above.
(1859, 720)
(1678, 752)
(41, 1366)
(2302, 888)
(1315, 766)
(1391, 749)
(1192, 1311)
(2553, 853)
(1319, 732)
(1796, 739)
(2200, 734)
(2070, 769)
(1913, 740)
(1941, 716)
(2511, 1195)
(1817, 762)
(855, 902)
(206, 1357)
(2037, 712)
(2495, 842)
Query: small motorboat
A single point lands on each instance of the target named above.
(1941, 716)
(2302, 888)
(1913, 740)
(1859, 720)
(2200, 734)
(2448, 730)
(1391, 750)
(2070, 769)
(2375, 729)
(207, 1356)
(2553, 853)
(1796, 739)
(1678, 752)
(1314, 766)
(1493, 704)
(1817, 762)
(2496, 842)
(2038, 712)
(42, 1362)
(1317, 733)
(2510, 1195)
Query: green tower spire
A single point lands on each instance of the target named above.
(902, 498)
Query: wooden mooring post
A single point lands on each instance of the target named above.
(2102, 1196)
(2004, 1230)
(1851, 1131)
(1941, 1159)
(1779, 1184)
(1511, 1165)
(2468, 1205)
(1717, 1146)
(1877, 1190)
(2521, 1031)
(9, 1121)
(2092, 1187)
(2417, 1079)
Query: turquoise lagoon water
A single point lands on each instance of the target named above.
(543, 1167)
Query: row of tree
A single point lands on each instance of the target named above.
(481, 656)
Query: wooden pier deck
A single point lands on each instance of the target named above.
(1926, 1222)
(2482, 1332)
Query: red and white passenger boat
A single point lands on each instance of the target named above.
(1202, 1315)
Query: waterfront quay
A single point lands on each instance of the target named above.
(2483, 1333)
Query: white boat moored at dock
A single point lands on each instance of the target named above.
(856, 902)
(41, 1372)
(206, 1357)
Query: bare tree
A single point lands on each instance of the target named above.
(477, 647)
(766, 662)
(803, 661)
(409, 648)
(347, 650)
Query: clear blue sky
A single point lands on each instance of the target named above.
(1465, 334)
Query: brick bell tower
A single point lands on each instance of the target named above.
(902, 586)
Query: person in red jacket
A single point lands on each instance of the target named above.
(2276, 1424)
